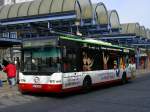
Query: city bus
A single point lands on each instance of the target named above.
(66, 63)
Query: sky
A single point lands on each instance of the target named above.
(130, 10)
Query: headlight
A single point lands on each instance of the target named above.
(22, 80)
(52, 81)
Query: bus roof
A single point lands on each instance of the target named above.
(94, 41)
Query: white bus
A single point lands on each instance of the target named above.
(62, 64)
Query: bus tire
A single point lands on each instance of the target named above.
(87, 83)
(124, 78)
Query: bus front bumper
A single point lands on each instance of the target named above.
(40, 88)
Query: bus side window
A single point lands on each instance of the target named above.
(66, 65)
(110, 62)
(69, 61)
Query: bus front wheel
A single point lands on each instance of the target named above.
(87, 83)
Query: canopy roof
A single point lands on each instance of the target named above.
(134, 28)
(131, 28)
(142, 31)
(83, 8)
(124, 28)
(114, 20)
(100, 13)
(148, 33)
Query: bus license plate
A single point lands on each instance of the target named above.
(37, 86)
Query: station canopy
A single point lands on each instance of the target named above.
(148, 33)
(100, 13)
(82, 8)
(134, 28)
(49, 10)
(131, 34)
(142, 31)
(114, 20)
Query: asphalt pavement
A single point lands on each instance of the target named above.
(131, 97)
(5, 90)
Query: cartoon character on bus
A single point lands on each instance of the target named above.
(87, 62)
(105, 60)
(117, 70)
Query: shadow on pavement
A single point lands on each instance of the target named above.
(76, 93)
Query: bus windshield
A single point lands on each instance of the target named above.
(42, 60)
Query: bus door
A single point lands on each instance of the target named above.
(71, 74)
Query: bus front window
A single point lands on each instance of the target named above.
(42, 60)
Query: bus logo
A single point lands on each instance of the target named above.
(36, 79)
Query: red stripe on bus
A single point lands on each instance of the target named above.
(40, 88)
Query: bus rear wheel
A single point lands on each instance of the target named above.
(87, 83)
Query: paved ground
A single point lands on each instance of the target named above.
(114, 96)
(131, 97)
(11, 97)
(7, 101)
(7, 91)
